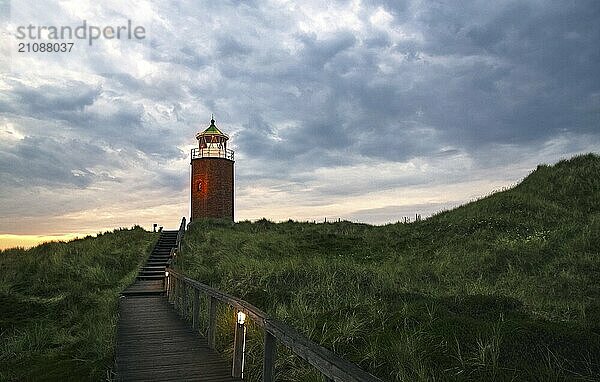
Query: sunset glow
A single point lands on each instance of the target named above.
(28, 241)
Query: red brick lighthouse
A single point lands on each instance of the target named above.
(212, 176)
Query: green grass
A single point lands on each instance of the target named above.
(58, 305)
(505, 288)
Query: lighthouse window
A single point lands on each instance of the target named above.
(199, 185)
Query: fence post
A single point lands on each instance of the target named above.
(270, 352)
(182, 301)
(169, 286)
(212, 322)
(176, 294)
(196, 309)
(239, 345)
(185, 301)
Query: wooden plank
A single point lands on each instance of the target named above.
(144, 287)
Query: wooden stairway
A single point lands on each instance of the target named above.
(153, 343)
(151, 278)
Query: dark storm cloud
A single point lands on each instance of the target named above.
(316, 53)
(77, 134)
(496, 74)
(540, 64)
(53, 101)
(479, 74)
(230, 46)
(121, 124)
(43, 161)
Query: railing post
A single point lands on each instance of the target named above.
(185, 306)
(196, 309)
(184, 300)
(176, 293)
(168, 288)
(212, 322)
(270, 353)
(166, 285)
(239, 346)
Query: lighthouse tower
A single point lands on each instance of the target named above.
(212, 176)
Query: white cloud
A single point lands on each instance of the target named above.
(9, 133)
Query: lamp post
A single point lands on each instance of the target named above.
(166, 283)
(239, 346)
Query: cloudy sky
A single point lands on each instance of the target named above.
(363, 110)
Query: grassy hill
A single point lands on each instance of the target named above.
(504, 288)
(58, 305)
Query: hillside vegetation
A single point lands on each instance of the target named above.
(504, 288)
(58, 305)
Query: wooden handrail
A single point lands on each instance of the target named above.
(257, 315)
(328, 363)
(180, 234)
(177, 247)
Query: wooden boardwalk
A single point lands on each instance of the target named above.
(154, 344)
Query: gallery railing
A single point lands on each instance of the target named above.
(197, 153)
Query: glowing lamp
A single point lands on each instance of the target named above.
(166, 274)
(241, 318)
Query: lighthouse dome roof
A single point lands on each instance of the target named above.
(212, 130)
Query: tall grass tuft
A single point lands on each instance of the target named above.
(58, 305)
